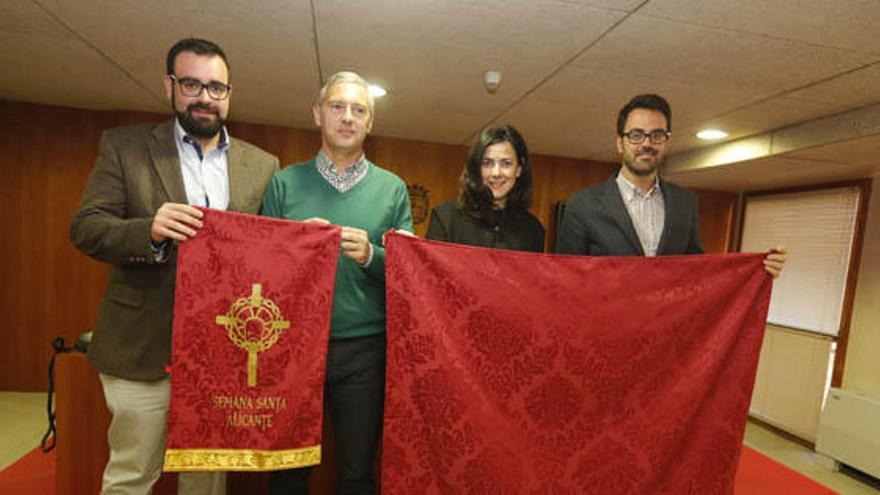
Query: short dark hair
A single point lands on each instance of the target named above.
(196, 45)
(475, 198)
(648, 102)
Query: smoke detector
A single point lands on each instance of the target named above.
(492, 78)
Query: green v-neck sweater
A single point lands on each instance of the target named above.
(377, 203)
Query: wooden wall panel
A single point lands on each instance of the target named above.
(433, 166)
(49, 289)
(716, 219)
(289, 145)
(555, 180)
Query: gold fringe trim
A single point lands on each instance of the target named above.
(240, 459)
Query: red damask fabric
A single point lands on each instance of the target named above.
(251, 324)
(520, 373)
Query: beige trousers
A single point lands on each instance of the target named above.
(137, 441)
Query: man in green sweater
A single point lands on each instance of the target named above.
(341, 187)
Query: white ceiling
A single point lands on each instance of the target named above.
(748, 66)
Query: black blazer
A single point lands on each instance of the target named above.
(596, 223)
(517, 229)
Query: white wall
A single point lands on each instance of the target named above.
(862, 371)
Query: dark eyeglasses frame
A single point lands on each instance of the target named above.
(657, 136)
(202, 87)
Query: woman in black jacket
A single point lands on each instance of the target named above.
(494, 194)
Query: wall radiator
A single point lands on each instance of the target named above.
(849, 430)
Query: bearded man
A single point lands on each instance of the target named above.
(137, 205)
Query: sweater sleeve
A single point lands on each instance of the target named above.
(273, 199)
(402, 221)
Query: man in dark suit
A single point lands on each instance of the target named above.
(138, 202)
(635, 212)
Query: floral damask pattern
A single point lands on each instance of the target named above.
(216, 420)
(521, 373)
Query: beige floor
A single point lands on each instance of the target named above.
(23, 422)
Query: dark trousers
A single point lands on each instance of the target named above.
(355, 394)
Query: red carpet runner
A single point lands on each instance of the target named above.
(524, 373)
(757, 475)
(31, 475)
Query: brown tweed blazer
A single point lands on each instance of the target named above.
(137, 170)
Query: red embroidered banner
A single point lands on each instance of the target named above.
(522, 373)
(251, 322)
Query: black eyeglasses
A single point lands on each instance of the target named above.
(193, 87)
(657, 136)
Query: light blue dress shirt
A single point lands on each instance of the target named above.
(205, 177)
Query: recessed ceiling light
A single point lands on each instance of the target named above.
(377, 91)
(711, 134)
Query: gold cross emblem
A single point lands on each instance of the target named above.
(254, 324)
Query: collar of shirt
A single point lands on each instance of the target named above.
(630, 191)
(352, 176)
(205, 177)
(185, 141)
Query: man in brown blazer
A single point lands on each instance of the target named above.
(137, 204)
